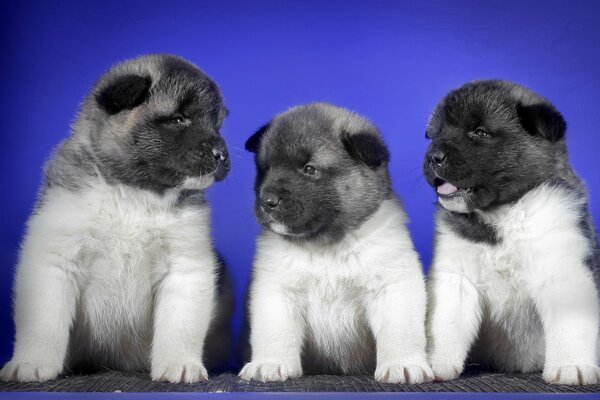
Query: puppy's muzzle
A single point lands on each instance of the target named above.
(209, 157)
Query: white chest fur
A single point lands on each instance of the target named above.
(516, 297)
(331, 304)
(117, 244)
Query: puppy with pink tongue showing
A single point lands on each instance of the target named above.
(516, 268)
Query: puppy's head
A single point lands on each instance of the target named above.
(321, 171)
(491, 142)
(153, 122)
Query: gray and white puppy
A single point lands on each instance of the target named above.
(514, 280)
(117, 268)
(337, 286)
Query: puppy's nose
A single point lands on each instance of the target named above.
(219, 155)
(270, 201)
(437, 157)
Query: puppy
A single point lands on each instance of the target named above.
(514, 280)
(337, 284)
(117, 269)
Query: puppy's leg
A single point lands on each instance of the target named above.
(568, 307)
(184, 303)
(46, 293)
(397, 317)
(453, 322)
(276, 336)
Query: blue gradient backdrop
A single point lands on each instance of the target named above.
(390, 61)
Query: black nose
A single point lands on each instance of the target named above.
(219, 155)
(437, 157)
(270, 201)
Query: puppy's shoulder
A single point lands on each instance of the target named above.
(550, 206)
(389, 219)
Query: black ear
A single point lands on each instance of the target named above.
(366, 147)
(544, 120)
(126, 92)
(254, 141)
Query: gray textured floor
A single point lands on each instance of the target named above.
(111, 381)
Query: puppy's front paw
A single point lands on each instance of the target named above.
(24, 371)
(404, 372)
(269, 371)
(445, 371)
(572, 375)
(179, 372)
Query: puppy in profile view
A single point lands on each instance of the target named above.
(516, 269)
(337, 286)
(117, 269)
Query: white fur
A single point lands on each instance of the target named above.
(332, 303)
(115, 275)
(200, 182)
(455, 203)
(526, 304)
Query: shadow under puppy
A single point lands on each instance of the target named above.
(117, 269)
(514, 280)
(337, 286)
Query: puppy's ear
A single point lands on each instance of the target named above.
(124, 93)
(366, 147)
(544, 120)
(254, 141)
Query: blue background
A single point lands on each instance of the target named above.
(390, 61)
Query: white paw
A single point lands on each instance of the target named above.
(404, 372)
(445, 371)
(269, 371)
(572, 375)
(23, 371)
(178, 372)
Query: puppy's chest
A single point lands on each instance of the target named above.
(337, 332)
(127, 227)
(124, 255)
(501, 274)
(124, 235)
(505, 275)
(342, 271)
(330, 291)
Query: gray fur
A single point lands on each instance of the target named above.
(351, 181)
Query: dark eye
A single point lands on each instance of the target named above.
(177, 120)
(309, 169)
(480, 133)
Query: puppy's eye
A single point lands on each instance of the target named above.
(480, 133)
(176, 120)
(309, 169)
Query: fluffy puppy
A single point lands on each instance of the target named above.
(516, 264)
(117, 268)
(337, 285)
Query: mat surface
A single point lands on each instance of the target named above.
(111, 381)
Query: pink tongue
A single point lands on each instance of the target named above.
(446, 188)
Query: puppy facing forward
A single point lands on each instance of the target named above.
(514, 280)
(337, 285)
(117, 269)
